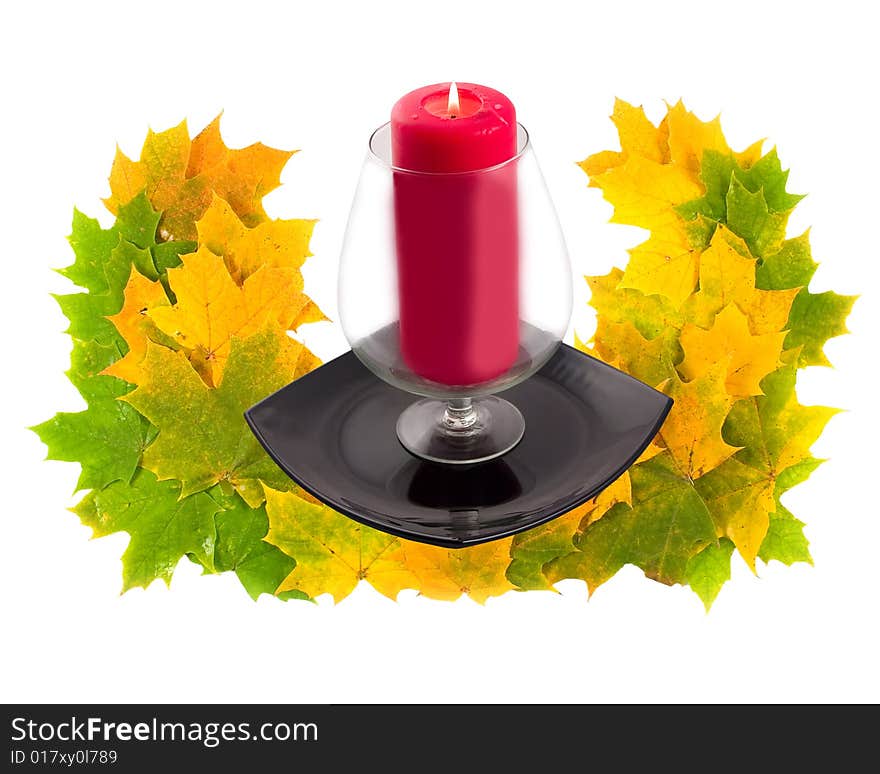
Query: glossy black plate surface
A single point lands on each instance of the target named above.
(333, 432)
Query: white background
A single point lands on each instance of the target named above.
(77, 78)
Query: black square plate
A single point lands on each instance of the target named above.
(333, 432)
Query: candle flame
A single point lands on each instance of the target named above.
(453, 107)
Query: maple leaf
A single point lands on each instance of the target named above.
(211, 309)
(645, 193)
(134, 229)
(690, 139)
(785, 541)
(163, 525)
(728, 275)
(665, 264)
(332, 553)
(749, 357)
(650, 360)
(775, 430)
(749, 216)
(718, 171)
(638, 136)
(814, 317)
(775, 433)
(104, 261)
(240, 547)
(108, 438)
(87, 312)
(442, 573)
(666, 525)
(531, 550)
(740, 500)
(136, 326)
(202, 435)
(708, 570)
(282, 244)
(92, 246)
(651, 315)
(180, 177)
(692, 430)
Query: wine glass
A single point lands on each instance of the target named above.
(454, 287)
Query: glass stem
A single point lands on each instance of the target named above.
(460, 415)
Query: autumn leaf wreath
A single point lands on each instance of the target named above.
(189, 312)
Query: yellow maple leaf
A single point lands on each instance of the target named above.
(692, 431)
(160, 172)
(638, 137)
(689, 137)
(478, 571)
(649, 360)
(727, 275)
(650, 314)
(181, 175)
(664, 264)
(645, 192)
(745, 158)
(211, 309)
(749, 357)
(333, 553)
(282, 244)
(136, 326)
(741, 508)
(241, 176)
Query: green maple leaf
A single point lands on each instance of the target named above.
(163, 526)
(138, 225)
(814, 317)
(108, 438)
(87, 312)
(749, 216)
(768, 176)
(716, 171)
(103, 262)
(530, 551)
(666, 526)
(775, 430)
(709, 570)
(137, 222)
(92, 246)
(202, 435)
(726, 199)
(785, 541)
(240, 548)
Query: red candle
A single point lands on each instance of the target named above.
(457, 234)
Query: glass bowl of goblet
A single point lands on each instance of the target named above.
(454, 287)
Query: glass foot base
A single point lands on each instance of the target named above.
(460, 432)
